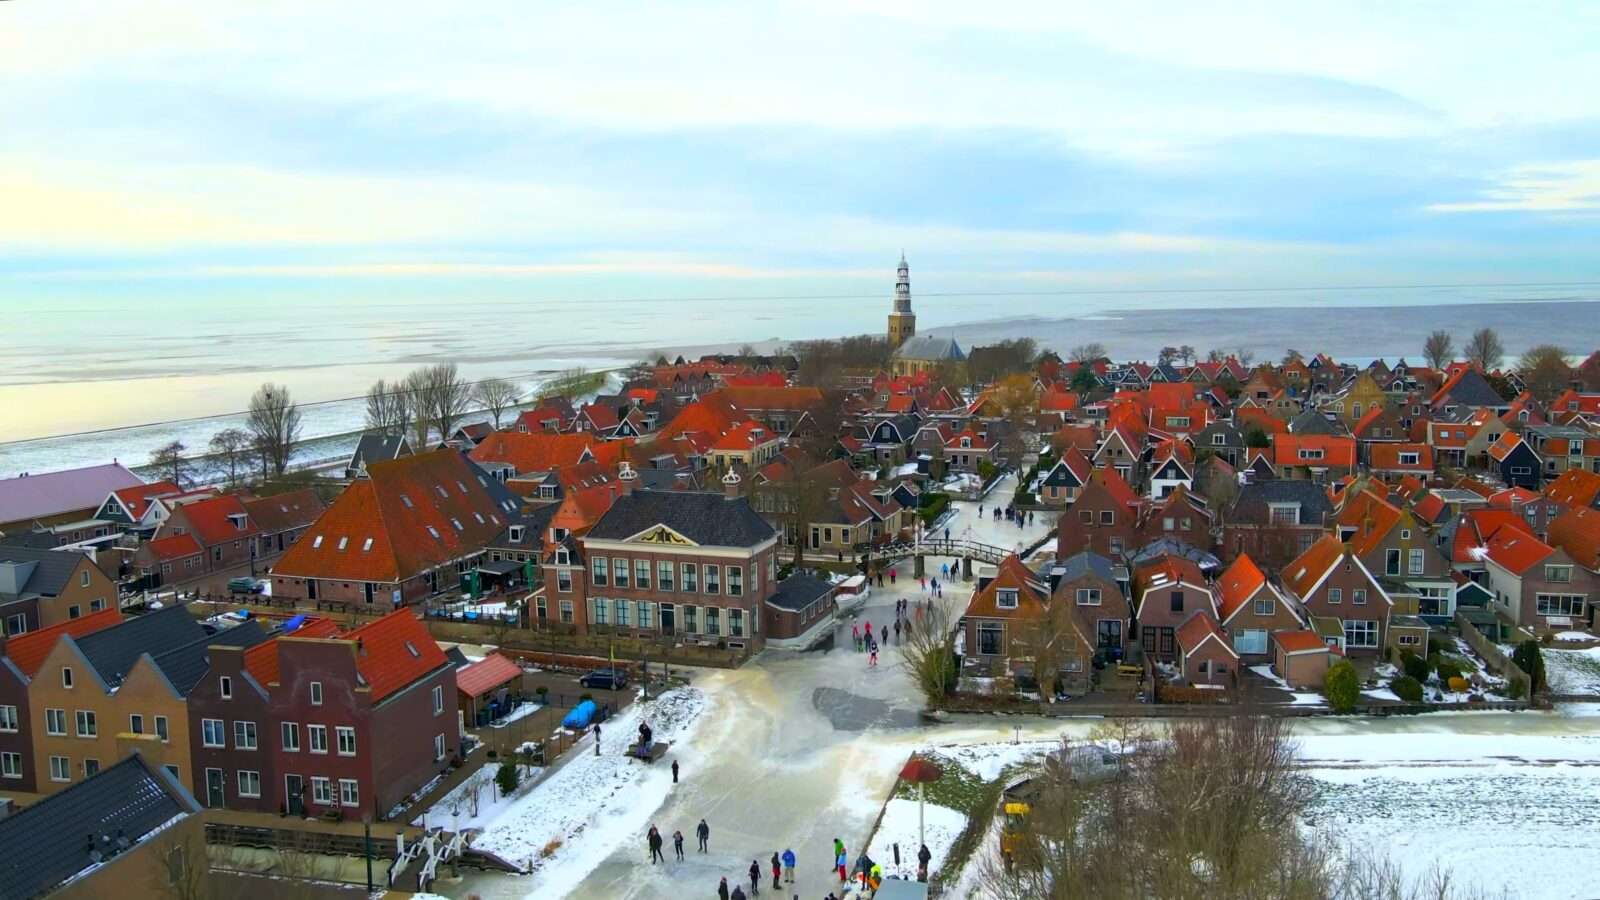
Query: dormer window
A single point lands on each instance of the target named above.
(412, 649)
(1409, 459)
(563, 557)
(516, 534)
(558, 534)
(407, 501)
(442, 492)
(433, 531)
(1006, 598)
(456, 523)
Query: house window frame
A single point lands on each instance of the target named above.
(213, 734)
(316, 738)
(321, 790)
(85, 723)
(248, 782)
(1361, 628)
(340, 732)
(349, 792)
(1087, 597)
(245, 735)
(1002, 595)
(289, 735)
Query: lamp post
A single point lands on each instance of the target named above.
(366, 846)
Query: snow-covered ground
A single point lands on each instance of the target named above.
(941, 826)
(475, 802)
(521, 712)
(1575, 672)
(593, 804)
(988, 761)
(1299, 698)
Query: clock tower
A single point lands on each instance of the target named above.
(902, 321)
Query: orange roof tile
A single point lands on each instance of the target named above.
(214, 519)
(1517, 551)
(394, 651)
(1298, 641)
(1574, 487)
(1577, 531)
(28, 650)
(1200, 628)
(534, 451)
(1237, 585)
(1308, 568)
(1386, 457)
(1330, 450)
(175, 546)
(486, 674)
(137, 499)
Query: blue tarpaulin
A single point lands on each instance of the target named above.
(294, 623)
(581, 715)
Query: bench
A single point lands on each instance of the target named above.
(657, 750)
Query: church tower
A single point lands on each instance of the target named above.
(902, 321)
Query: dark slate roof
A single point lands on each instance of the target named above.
(1166, 546)
(114, 650)
(457, 658)
(46, 844)
(1312, 421)
(1250, 507)
(703, 517)
(926, 346)
(184, 666)
(378, 447)
(799, 591)
(51, 570)
(1078, 565)
(1472, 389)
(29, 540)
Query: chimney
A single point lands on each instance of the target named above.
(628, 478)
(730, 485)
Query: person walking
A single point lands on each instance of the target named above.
(891, 577)
(755, 878)
(703, 832)
(738, 893)
(841, 861)
(654, 840)
(777, 871)
(597, 739)
(722, 889)
(855, 636)
(788, 865)
(674, 771)
(885, 634)
(923, 857)
(947, 530)
(897, 631)
(677, 843)
(872, 655)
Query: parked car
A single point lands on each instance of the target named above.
(609, 679)
(244, 585)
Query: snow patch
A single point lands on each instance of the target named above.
(941, 826)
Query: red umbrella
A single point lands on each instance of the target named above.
(920, 771)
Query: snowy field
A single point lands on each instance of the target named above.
(941, 827)
(1574, 672)
(607, 799)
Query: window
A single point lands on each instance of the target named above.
(291, 737)
(641, 574)
(74, 611)
(691, 573)
(60, 768)
(438, 747)
(136, 723)
(211, 733)
(17, 624)
(1006, 598)
(1416, 563)
(712, 625)
(1405, 534)
(1108, 517)
(349, 792)
(1335, 595)
(244, 735)
(1407, 640)
(563, 580)
(990, 638)
(619, 571)
(316, 693)
(347, 740)
(1391, 562)
(735, 623)
(87, 726)
(566, 612)
(624, 614)
(1219, 440)
(1358, 596)
(366, 545)
(8, 718)
(600, 610)
(1177, 601)
(711, 573)
(1086, 516)
(316, 542)
(1265, 606)
(1558, 574)
(1250, 640)
(1283, 513)
(11, 765)
(249, 783)
(1088, 596)
(735, 581)
(1360, 633)
(1521, 470)
(647, 617)
(225, 687)
(317, 737)
(321, 791)
(1310, 454)
(1559, 604)
(344, 541)
(599, 568)
(1168, 523)
(664, 575)
(438, 699)
(66, 676)
(97, 604)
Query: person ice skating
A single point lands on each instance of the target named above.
(841, 862)
(872, 656)
(868, 630)
(674, 771)
(947, 533)
(788, 865)
(722, 888)
(777, 871)
(755, 878)
(738, 893)
(703, 832)
(923, 857)
(855, 636)
(891, 576)
(838, 846)
(677, 843)
(897, 631)
(885, 635)
(654, 840)
(597, 739)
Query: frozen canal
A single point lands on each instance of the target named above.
(794, 750)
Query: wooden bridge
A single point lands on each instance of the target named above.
(966, 550)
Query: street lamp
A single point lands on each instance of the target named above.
(366, 846)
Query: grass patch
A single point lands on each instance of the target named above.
(958, 789)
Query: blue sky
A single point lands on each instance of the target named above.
(186, 151)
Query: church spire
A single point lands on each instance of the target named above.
(902, 321)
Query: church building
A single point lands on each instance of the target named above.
(914, 354)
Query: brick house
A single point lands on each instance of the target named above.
(409, 529)
(1301, 658)
(1102, 519)
(690, 563)
(1393, 460)
(1330, 582)
(1066, 477)
(1181, 514)
(281, 519)
(1204, 656)
(40, 588)
(1536, 585)
(1170, 590)
(220, 524)
(799, 612)
(1088, 581)
(1276, 520)
(1249, 608)
(1314, 456)
(1014, 610)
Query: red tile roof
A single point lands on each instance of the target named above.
(770, 378)
(29, 650)
(1298, 641)
(176, 546)
(214, 519)
(1011, 573)
(1517, 551)
(486, 674)
(1335, 451)
(395, 651)
(1574, 487)
(1386, 457)
(534, 451)
(1430, 508)
(1237, 585)
(743, 436)
(1200, 628)
(1503, 447)
(1308, 568)
(1167, 570)
(1477, 527)
(407, 516)
(261, 661)
(137, 499)
(1578, 532)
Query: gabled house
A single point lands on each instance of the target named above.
(375, 447)
(134, 508)
(281, 519)
(1394, 460)
(1515, 461)
(1465, 390)
(1170, 590)
(1007, 618)
(1575, 489)
(1536, 585)
(1088, 581)
(40, 588)
(1181, 515)
(1171, 466)
(1204, 656)
(1276, 520)
(1222, 439)
(23, 655)
(1356, 400)
(1249, 608)
(1318, 457)
(221, 525)
(55, 498)
(1381, 425)
(1103, 519)
(1329, 582)
(1066, 477)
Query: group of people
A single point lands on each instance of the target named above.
(866, 640)
(931, 588)
(654, 841)
(782, 871)
(1011, 513)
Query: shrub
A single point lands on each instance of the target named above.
(1407, 688)
(1529, 659)
(1459, 685)
(933, 506)
(1448, 670)
(1414, 666)
(508, 778)
(987, 470)
(1514, 689)
(1342, 686)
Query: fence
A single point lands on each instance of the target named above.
(592, 646)
(1497, 660)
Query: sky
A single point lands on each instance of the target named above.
(161, 153)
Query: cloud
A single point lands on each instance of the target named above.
(1542, 188)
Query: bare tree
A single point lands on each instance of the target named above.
(1485, 349)
(169, 461)
(415, 389)
(445, 397)
(573, 383)
(1545, 371)
(1186, 353)
(183, 872)
(1292, 356)
(1166, 355)
(1216, 355)
(497, 395)
(230, 450)
(1244, 356)
(929, 652)
(274, 423)
(1439, 349)
(389, 407)
(1087, 352)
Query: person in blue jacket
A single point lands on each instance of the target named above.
(788, 866)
